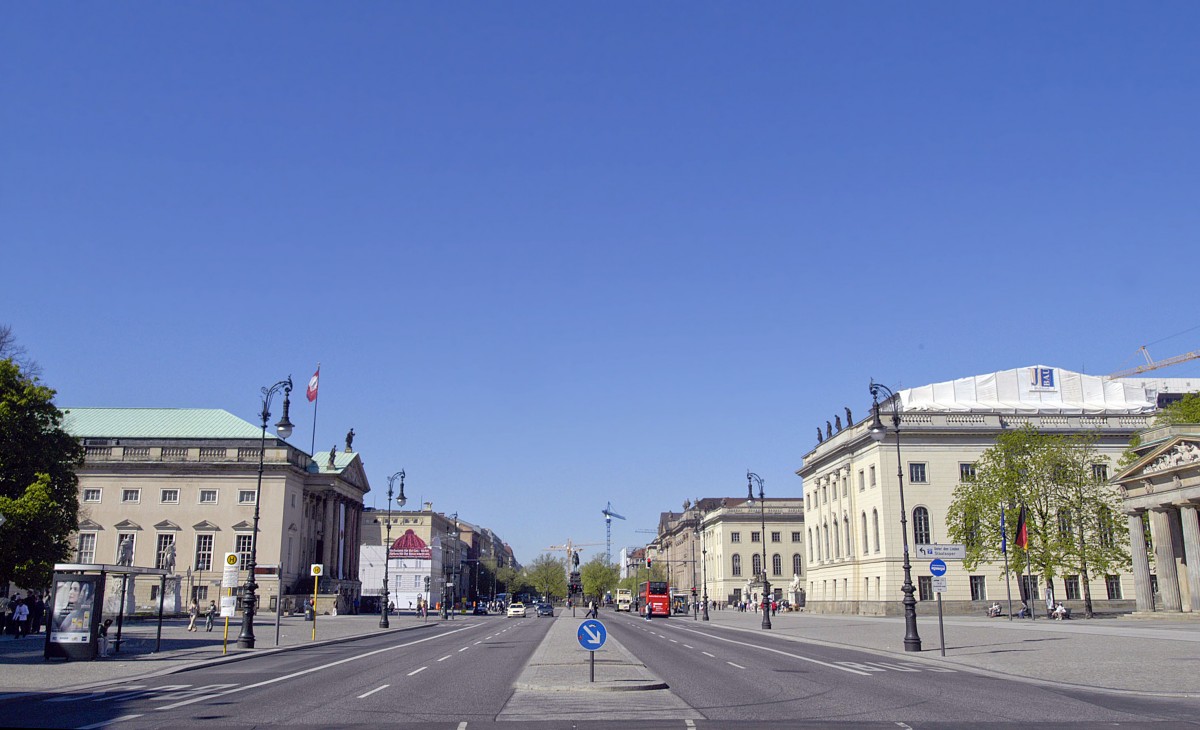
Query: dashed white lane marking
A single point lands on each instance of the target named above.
(714, 656)
(906, 727)
(368, 694)
(108, 722)
(417, 671)
(672, 641)
(463, 649)
(445, 657)
(784, 653)
(739, 666)
(689, 723)
(463, 725)
(685, 646)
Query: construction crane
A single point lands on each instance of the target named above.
(1152, 364)
(608, 515)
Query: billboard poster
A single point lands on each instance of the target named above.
(73, 615)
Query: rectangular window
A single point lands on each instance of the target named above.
(862, 480)
(86, 551)
(153, 593)
(776, 537)
(169, 496)
(245, 496)
(242, 547)
(871, 481)
(131, 495)
(795, 537)
(1071, 583)
(121, 537)
(204, 552)
(735, 537)
(925, 587)
(916, 473)
(208, 496)
(978, 588)
(165, 539)
(91, 495)
(1100, 472)
(966, 472)
(200, 593)
(755, 536)
(1113, 584)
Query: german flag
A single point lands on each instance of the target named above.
(1022, 537)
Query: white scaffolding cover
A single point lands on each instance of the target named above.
(1032, 390)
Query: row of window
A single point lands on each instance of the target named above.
(85, 551)
(166, 496)
(1071, 587)
(756, 536)
(776, 564)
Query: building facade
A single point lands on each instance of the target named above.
(853, 539)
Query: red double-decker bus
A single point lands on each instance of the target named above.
(657, 595)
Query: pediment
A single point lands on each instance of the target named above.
(89, 525)
(167, 525)
(243, 526)
(292, 528)
(205, 526)
(1178, 454)
(127, 525)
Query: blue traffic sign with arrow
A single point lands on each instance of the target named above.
(937, 567)
(592, 634)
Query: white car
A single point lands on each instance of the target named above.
(516, 609)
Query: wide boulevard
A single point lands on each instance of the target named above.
(490, 670)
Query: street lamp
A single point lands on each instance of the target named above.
(912, 642)
(695, 532)
(703, 572)
(245, 639)
(448, 585)
(751, 478)
(384, 610)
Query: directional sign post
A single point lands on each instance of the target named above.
(937, 567)
(949, 552)
(592, 636)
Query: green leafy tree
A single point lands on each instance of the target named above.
(599, 576)
(1071, 516)
(38, 487)
(547, 575)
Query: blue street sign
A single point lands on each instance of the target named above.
(937, 567)
(592, 634)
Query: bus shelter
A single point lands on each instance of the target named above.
(78, 605)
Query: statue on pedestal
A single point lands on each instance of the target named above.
(125, 551)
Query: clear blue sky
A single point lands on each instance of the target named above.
(555, 254)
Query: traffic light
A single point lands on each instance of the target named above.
(427, 583)
(648, 561)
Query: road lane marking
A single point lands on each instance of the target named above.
(739, 666)
(477, 643)
(417, 671)
(685, 646)
(463, 649)
(108, 722)
(445, 657)
(714, 656)
(672, 641)
(368, 694)
(785, 653)
(92, 695)
(689, 723)
(310, 670)
(463, 725)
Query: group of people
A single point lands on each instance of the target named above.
(21, 616)
(210, 615)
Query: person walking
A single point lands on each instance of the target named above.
(21, 619)
(210, 616)
(36, 613)
(193, 613)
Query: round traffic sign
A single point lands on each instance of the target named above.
(231, 559)
(937, 566)
(592, 634)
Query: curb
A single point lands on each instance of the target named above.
(592, 687)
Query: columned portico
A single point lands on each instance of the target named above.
(1190, 516)
(1141, 563)
(1164, 557)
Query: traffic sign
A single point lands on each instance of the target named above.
(228, 606)
(947, 552)
(314, 569)
(229, 575)
(937, 567)
(939, 584)
(592, 634)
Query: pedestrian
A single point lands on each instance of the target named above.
(102, 637)
(36, 613)
(591, 612)
(21, 619)
(210, 616)
(193, 613)
(649, 610)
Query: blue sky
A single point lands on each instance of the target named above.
(551, 255)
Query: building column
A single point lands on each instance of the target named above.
(1164, 558)
(1190, 515)
(1141, 564)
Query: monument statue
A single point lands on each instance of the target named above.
(849, 418)
(332, 456)
(837, 421)
(350, 441)
(828, 430)
(168, 560)
(125, 551)
(820, 438)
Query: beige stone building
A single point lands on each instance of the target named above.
(184, 480)
(853, 538)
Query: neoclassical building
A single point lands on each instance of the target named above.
(184, 480)
(1161, 491)
(852, 536)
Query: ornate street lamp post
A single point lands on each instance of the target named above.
(387, 553)
(751, 478)
(912, 641)
(245, 639)
(703, 573)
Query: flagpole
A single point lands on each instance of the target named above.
(1004, 549)
(312, 450)
(1029, 570)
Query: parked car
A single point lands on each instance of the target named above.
(480, 610)
(517, 610)
(545, 609)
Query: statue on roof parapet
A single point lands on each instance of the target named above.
(350, 441)
(828, 430)
(837, 421)
(820, 438)
(849, 418)
(332, 456)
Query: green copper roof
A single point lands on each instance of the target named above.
(164, 423)
(341, 460)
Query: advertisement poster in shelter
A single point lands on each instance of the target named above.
(73, 616)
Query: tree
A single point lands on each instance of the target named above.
(507, 576)
(10, 349)
(599, 577)
(1071, 514)
(548, 575)
(38, 487)
(1185, 410)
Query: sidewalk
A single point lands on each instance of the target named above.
(1119, 654)
(179, 649)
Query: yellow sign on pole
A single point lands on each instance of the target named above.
(315, 571)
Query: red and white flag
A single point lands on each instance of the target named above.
(312, 385)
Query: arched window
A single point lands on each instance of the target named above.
(737, 564)
(797, 564)
(776, 564)
(875, 527)
(837, 543)
(846, 525)
(756, 561)
(921, 526)
(866, 547)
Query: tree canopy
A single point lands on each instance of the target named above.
(547, 575)
(38, 487)
(598, 576)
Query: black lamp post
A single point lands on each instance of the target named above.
(695, 614)
(245, 639)
(703, 572)
(912, 641)
(751, 478)
(448, 585)
(387, 554)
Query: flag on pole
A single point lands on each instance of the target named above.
(312, 385)
(1003, 533)
(1022, 538)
